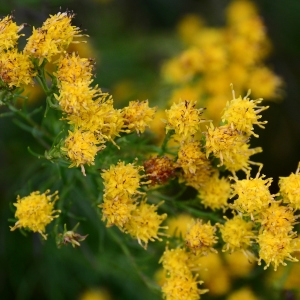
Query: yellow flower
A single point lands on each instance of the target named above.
(173, 71)
(122, 179)
(201, 238)
(198, 179)
(99, 117)
(144, 223)
(178, 225)
(188, 27)
(180, 282)
(184, 119)
(276, 248)
(8, 33)
(81, 148)
(239, 160)
(222, 141)
(35, 211)
(72, 68)
(117, 211)
(53, 37)
(240, 10)
(215, 192)
(16, 69)
(244, 293)
(265, 83)
(176, 261)
(237, 234)
(138, 115)
(277, 218)
(191, 158)
(179, 287)
(75, 98)
(238, 264)
(290, 189)
(215, 274)
(253, 194)
(242, 114)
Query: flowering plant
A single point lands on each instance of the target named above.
(136, 182)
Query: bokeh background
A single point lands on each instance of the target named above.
(129, 40)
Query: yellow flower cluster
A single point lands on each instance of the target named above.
(276, 238)
(16, 68)
(180, 282)
(214, 58)
(91, 112)
(230, 142)
(35, 211)
(121, 208)
(53, 37)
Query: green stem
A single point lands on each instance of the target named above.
(194, 211)
(163, 149)
(127, 253)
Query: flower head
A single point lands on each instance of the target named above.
(277, 218)
(35, 211)
(117, 211)
(77, 98)
(72, 68)
(81, 148)
(240, 159)
(253, 194)
(242, 114)
(53, 37)
(290, 189)
(201, 238)
(16, 69)
(144, 223)
(237, 234)
(178, 287)
(178, 225)
(275, 249)
(223, 141)
(215, 192)
(138, 115)
(100, 117)
(8, 33)
(122, 179)
(184, 118)
(159, 169)
(191, 158)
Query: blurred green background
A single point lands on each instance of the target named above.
(130, 40)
